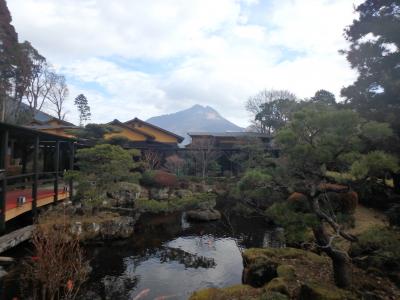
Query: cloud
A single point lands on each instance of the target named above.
(144, 58)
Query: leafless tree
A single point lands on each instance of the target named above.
(42, 82)
(58, 95)
(204, 152)
(174, 164)
(151, 159)
(254, 104)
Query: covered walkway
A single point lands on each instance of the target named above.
(32, 164)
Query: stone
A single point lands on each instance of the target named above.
(91, 295)
(316, 291)
(278, 285)
(183, 193)
(286, 271)
(273, 296)
(259, 273)
(159, 193)
(261, 265)
(239, 292)
(118, 227)
(125, 194)
(117, 287)
(203, 215)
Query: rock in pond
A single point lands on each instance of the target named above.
(117, 227)
(203, 215)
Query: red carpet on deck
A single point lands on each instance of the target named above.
(11, 200)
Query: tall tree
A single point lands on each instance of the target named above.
(375, 53)
(42, 80)
(8, 44)
(324, 97)
(58, 95)
(267, 107)
(82, 104)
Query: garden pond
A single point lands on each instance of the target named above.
(170, 258)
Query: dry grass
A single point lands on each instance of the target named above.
(61, 217)
(366, 218)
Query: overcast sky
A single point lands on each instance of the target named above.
(141, 58)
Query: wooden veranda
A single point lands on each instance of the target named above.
(32, 164)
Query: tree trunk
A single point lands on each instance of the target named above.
(340, 261)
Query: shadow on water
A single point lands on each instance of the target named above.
(170, 257)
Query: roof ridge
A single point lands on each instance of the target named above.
(117, 122)
(180, 138)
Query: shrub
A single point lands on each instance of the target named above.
(253, 179)
(379, 248)
(296, 224)
(58, 269)
(200, 200)
(159, 179)
(299, 202)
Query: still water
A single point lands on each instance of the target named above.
(169, 258)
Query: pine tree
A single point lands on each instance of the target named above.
(82, 104)
(375, 53)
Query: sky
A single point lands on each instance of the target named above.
(135, 58)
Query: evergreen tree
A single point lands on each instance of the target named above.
(375, 53)
(324, 97)
(82, 104)
(8, 44)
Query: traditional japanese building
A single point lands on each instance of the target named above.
(54, 126)
(228, 140)
(32, 164)
(143, 135)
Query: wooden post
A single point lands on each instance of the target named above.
(24, 157)
(3, 194)
(56, 169)
(35, 176)
(71, 167)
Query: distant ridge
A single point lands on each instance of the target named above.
(196, 118)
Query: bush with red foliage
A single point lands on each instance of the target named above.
(159, 179)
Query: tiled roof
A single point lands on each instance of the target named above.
(179, 138)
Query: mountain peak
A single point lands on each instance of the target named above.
(195, 118)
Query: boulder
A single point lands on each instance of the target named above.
(317, 291)
(260, 272)
(117, 227)
(286, 271)
(125, 194)
(273, 296)
(118, 287)
(239, 292)
(159, 193)
(278, 285)
(263, 265)
(183, 193)
(203, 215)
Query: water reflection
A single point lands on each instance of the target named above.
(172, 258)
